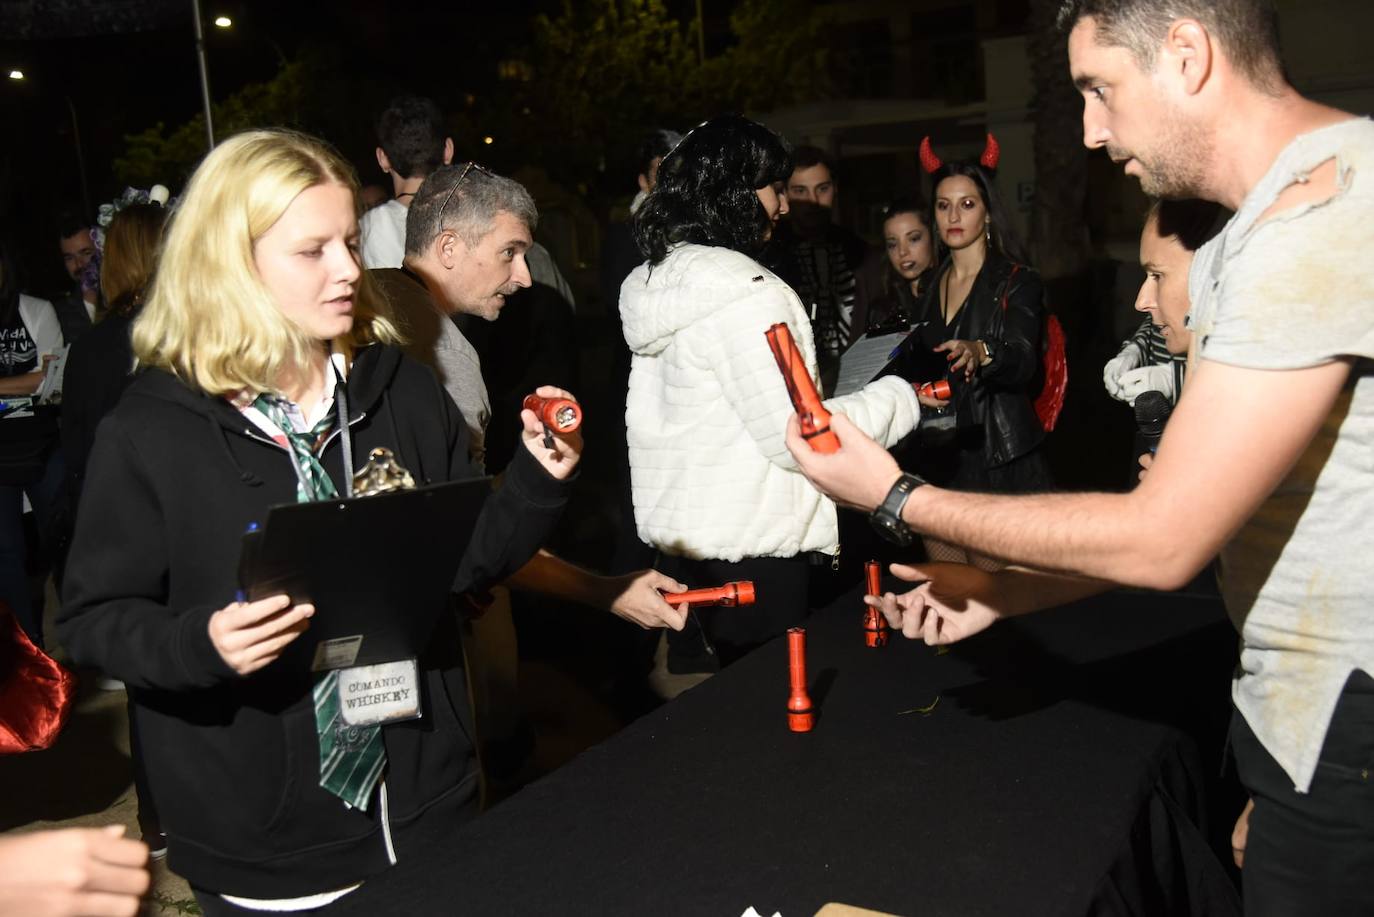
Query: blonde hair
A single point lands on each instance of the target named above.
(209, 319)
(130, 255)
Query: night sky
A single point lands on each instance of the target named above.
(126, 65)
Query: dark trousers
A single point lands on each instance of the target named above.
(1313, 853)
(716, 636)
(14, 549)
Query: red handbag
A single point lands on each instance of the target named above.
(1054, 364)
(36, 693)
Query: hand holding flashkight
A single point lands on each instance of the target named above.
(562, 415)
(939, 389)
(811, 413)
(875, 626)
(729, 595)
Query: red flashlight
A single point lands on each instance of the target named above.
(814, 418)
(561, 414)
(875, 625)
(730, 595)
(799, 715)
(937, 389)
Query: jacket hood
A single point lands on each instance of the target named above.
(693, 281)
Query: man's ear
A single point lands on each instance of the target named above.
(448, 150)
(446, 249)
(383, 161)
(1189, 52)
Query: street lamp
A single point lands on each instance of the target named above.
(223, 22)
(204, 74)
(16, 74)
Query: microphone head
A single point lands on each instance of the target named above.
(1152, 409)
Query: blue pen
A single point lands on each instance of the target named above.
(247, 555)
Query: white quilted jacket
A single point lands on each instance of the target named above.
(707, 410)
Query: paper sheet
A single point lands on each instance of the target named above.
(864, 359)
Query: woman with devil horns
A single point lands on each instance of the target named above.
(981, 320)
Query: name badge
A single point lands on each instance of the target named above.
(385, 693)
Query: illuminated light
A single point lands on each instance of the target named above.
(488, 140)
(223, 22)
(16, 74)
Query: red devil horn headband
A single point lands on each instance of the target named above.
(929, 161)
(992, 153)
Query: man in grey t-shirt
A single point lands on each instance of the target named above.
(1267, 457)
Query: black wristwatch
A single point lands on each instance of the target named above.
(887, 518)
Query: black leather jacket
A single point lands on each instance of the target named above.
(1005, 310)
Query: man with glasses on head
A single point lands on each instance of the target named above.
(466, 267)
(1267, 457)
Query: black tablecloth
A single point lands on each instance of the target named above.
(1057, 774)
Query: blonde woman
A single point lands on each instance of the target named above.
(258, 323)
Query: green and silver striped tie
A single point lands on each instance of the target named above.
(351, 757)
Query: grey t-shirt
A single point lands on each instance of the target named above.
(1296, 291)
(433, 339)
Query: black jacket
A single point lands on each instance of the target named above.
(98, 368)
(174, 479)
(1005, 309)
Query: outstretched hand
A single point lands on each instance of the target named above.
(859, 475)
(951, 602)
(557, 452)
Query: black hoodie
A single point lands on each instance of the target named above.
(174, 479)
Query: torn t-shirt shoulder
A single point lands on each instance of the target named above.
(1294, 290)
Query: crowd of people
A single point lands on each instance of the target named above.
(250, 343)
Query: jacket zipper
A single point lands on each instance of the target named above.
(353, 422)
(386, 826)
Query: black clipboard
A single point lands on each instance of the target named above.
(377, 569)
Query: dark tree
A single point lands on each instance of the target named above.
(1059, 229)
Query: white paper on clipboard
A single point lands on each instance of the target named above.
(50, 389)
(865, 359)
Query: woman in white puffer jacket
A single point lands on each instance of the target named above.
(715, 489)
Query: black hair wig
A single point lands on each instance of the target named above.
(706, 189)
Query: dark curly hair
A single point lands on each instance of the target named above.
(706, 189)
(1004, 237)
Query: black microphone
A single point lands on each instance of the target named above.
(1152, 410)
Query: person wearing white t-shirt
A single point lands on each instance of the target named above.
(29, 336)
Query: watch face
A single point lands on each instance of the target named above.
(893, 530)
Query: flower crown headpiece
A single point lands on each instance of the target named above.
(157, 194)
